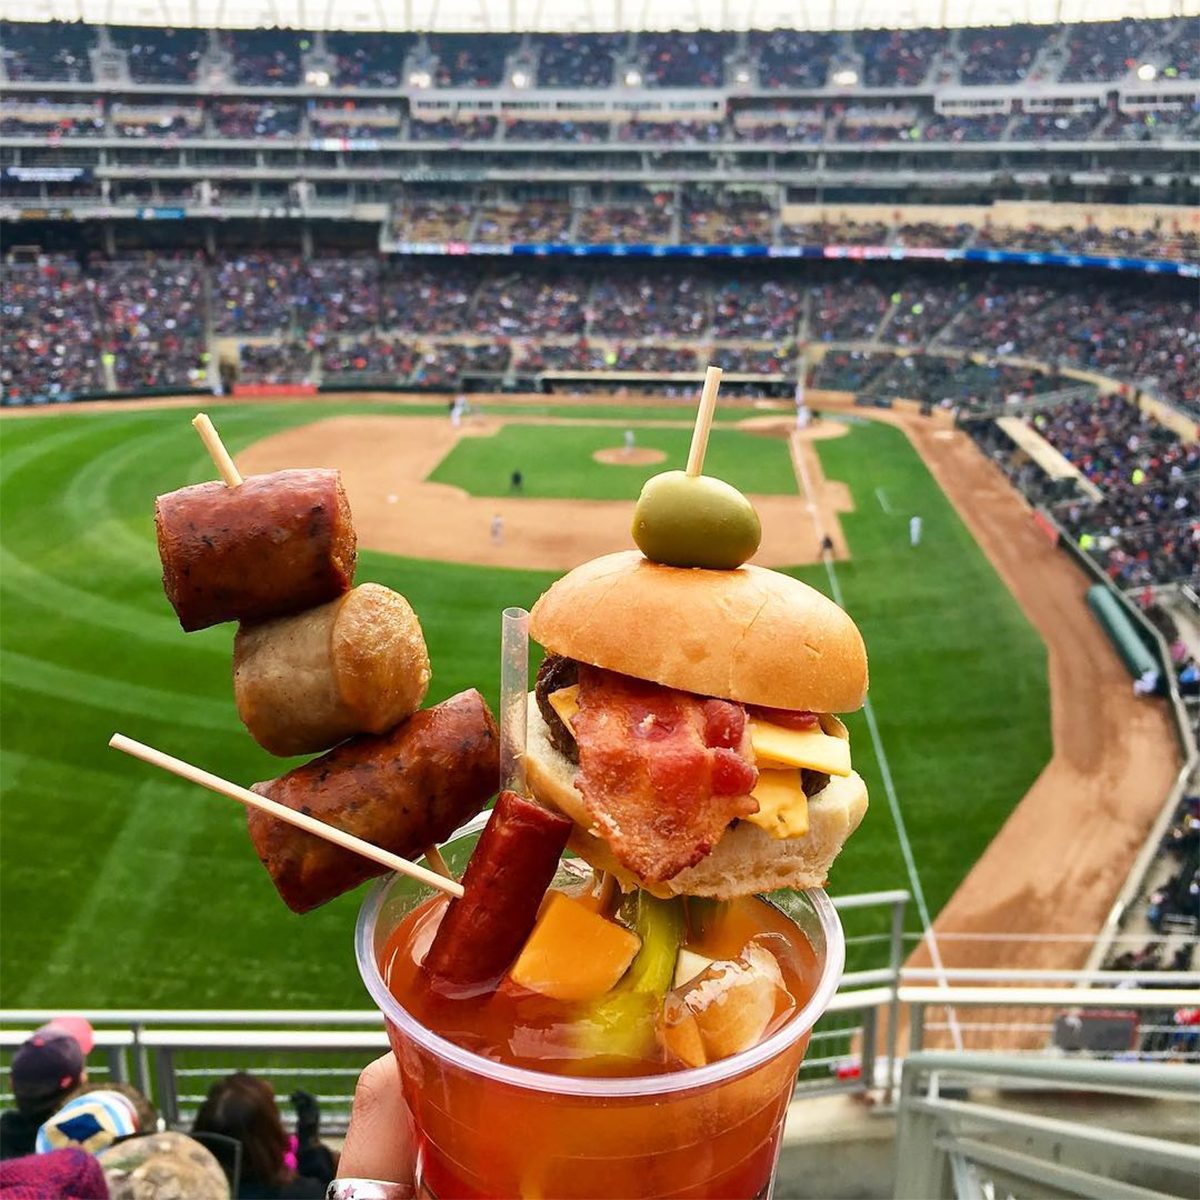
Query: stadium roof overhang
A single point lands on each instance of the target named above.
(499, 16)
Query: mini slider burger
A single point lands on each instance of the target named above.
(683, 720)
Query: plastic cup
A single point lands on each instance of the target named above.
(487, 1129)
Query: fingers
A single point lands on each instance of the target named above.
(379, 1142)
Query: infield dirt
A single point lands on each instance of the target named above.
(385, 462)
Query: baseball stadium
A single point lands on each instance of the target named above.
(473, 296)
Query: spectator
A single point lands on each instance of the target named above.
(72, 1174)
(92, 1120)
(242, 1107)
(46, 1068)
(145, 1113)
(163, 1166)
(998, 55)
(578, 60)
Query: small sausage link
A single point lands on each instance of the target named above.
(504, 883)
(273, 545)
(404, 790)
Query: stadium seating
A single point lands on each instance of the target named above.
(783, 58)
(161, 55)
(577, 59)
(369, 59)
(998, 54)
(1127, 333)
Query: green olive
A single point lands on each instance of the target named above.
(695, 521)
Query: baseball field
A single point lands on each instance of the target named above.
(123, 887)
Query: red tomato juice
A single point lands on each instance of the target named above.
(596, 1124)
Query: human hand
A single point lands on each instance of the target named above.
(379, 1143)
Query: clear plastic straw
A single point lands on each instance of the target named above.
(514, 685)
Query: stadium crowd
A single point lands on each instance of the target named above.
(1175, 903)
(782, 58)
(1168, 903)
(1142, 525)
(872, 122)
(143, 319)
(76, 1133)
(1146, 528)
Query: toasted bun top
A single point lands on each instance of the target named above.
(751, 635)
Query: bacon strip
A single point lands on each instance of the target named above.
(662, 772)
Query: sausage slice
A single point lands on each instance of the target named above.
(405, 790)
(276, 544)
(355, 665)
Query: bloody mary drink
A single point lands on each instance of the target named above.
(515, 1093)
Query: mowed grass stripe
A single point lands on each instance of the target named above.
(63, 684)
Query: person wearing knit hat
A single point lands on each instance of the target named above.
(163, 1166)
(46, 1067)
(91, 1121)
(72, 1174)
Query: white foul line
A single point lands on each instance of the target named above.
(885, 769)
(883, 501)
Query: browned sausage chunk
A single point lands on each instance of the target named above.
(276, 544)
(404, 791)
(503, 888)
(355, 665)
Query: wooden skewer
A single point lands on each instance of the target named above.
(216, 448)
(708, 404)
(433, 856)
(156, 758)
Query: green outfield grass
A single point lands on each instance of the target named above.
(549, 459)
(120, 886)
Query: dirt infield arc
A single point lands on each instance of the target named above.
(1057, 864)
(386, 462)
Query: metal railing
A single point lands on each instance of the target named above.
(882, 1011)
(857, 1046)
(949, 1144)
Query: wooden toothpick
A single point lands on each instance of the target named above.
(708, 404)
(433, 856)
(216, 449)
(347, 841)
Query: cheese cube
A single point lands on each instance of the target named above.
(573, 953)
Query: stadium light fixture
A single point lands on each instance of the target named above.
(520, 79)
(315, 77)
(1147, 72)
(846, 77)
(419, 79)
(741, 75)
(633, 77)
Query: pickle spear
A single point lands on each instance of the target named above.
(624, 1023)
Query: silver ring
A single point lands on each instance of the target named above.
(369, 1189)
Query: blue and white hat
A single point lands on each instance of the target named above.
(90, 1122)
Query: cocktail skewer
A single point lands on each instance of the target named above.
(347, 841)
(704, 416)
(216, 449)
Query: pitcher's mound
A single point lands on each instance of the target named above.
(639, 456)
